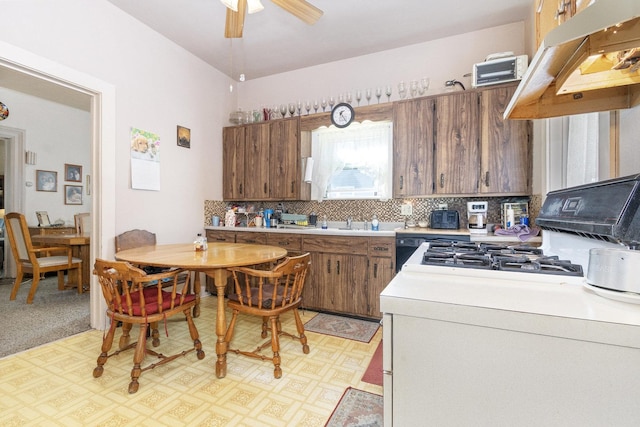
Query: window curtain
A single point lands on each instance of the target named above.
(360, 144)
(582, 149)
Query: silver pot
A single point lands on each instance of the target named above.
(615, 269)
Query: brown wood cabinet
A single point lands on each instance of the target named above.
(413, 147)
(261, 161)
(506, 146)
(380, 271)
(551, 13)
(51, 230)
(457, 143)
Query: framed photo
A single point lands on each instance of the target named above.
(72, 173)
(46, 180)
(43, 219)
(184, 137)
(73, 194)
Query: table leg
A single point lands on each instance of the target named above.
(196, 291)
(220, 276)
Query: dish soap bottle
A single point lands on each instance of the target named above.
(324, 223)
(375, 224)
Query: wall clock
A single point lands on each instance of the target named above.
(342, 115)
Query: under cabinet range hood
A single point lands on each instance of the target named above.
(589, 63)
(606, 210)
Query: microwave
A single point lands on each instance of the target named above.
(500, 70)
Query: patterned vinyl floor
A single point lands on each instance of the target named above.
(53, 384)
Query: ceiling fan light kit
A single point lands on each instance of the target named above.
(254, 6)
(231, 4)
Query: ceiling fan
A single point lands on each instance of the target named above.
(236, 10)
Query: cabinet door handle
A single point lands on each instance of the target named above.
(240, 188)
(293, 187)
(338, 267)
(375, 270)
(441, 180)
(401, 182)
(486, 178)
(265, 188)
(328, 266)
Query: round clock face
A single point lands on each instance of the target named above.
(342, 115)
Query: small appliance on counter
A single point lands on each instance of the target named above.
(445, 220)
(477, 217)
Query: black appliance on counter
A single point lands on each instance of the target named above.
(445, 219)
(407, 243)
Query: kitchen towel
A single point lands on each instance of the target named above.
(523, 232)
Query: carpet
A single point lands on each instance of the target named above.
(53, 315)
(373, 374)
(343, 327)
(357, 408)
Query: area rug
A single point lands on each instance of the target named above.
(343, 327)
(373, 374)
(53, 315)
(357, 408)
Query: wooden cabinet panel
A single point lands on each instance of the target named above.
(290, 241)
(413, 147)
(335, 244)
(506, 146)
(233, 162)
(51, 230)
(285, 159)
(380, 272)
(255, 238)
(257, 161)
(222, 236)
(457, 151)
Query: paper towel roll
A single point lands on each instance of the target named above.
(308, 172)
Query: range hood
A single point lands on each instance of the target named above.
(589, 63)
(606, 210)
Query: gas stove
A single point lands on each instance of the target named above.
(524, 259)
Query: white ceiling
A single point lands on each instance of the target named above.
(275, 41)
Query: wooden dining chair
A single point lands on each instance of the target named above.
(268, 294)
(82, 222)
(134, 297)
(37, 261)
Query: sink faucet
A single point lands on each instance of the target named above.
(349, 222)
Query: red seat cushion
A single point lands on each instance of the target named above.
(151, 301)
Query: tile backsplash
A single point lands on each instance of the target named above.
(387, 211)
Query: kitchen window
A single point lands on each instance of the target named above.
(352, 163)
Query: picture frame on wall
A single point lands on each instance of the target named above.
(72, 173)
(73, 194)
(184, 137)
(46, 180)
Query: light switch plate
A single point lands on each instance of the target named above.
(443, 206)
(406, 209)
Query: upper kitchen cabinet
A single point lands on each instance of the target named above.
(284, 161)
(457, 143)
(261, 161)
(551, 13)
(506, 146)
(233, 163)
(413, 123)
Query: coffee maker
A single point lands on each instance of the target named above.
(477, 217)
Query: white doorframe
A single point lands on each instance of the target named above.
(13, 180)
(103, 119)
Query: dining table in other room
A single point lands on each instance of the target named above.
(80, 245)
(214, 263)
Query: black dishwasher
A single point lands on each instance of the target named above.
(407, 243)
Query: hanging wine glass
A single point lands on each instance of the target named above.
(387, 91)
(299, 107)
(324, 104)
(358, 96)
(349, 99)
(332, 102)
(307, 106)
(283, 110)
(315, 106)
(292, 109)
(378, 94)
(368, 96)
(402, 90)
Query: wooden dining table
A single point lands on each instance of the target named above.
(214, 263)
(79, 244)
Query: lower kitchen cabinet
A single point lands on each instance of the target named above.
(380, 271)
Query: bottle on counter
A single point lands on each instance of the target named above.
(510, 218)
(524, 218)
(325, 225)
(375, 224)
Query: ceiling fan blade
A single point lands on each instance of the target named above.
(301, 9)
(235, 21)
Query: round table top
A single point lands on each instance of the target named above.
(219, 255)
